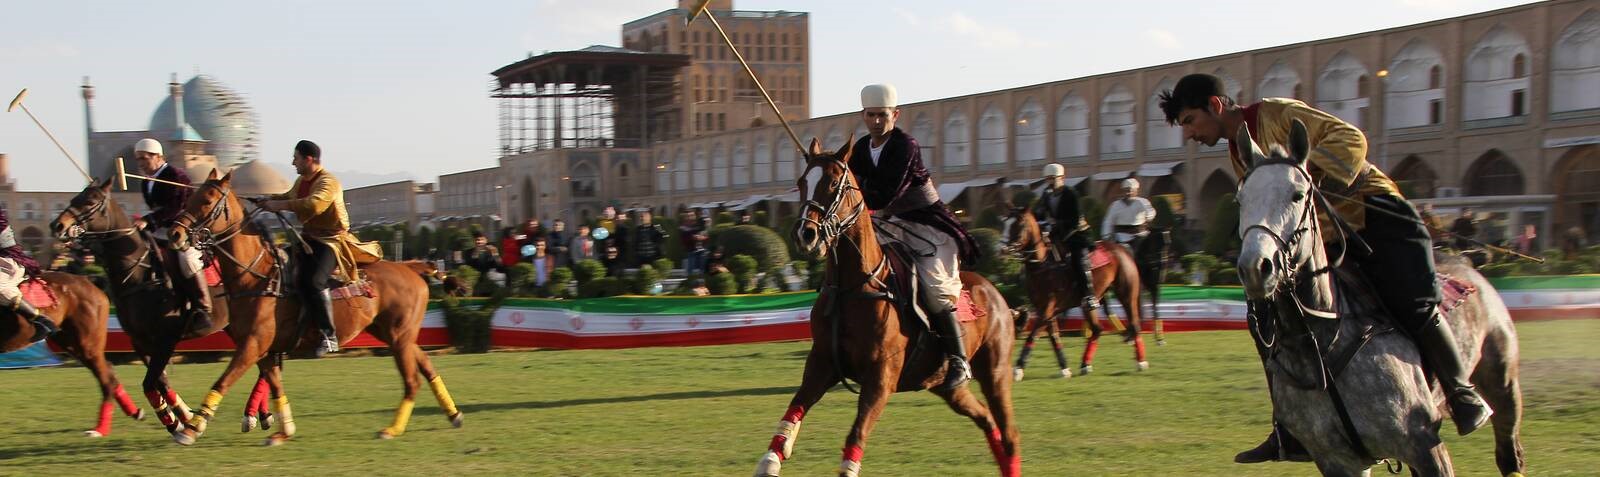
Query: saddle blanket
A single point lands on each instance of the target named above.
(38, 293)
(1455, 292)
(358, 289)
(213, 276)
(1100, 256)
(966, 311)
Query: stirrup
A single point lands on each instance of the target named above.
(1477, 410)
(957, 373)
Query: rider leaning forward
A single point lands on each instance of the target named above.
(15, 267)
(166, 202)
(1400, 266)
(896, 186)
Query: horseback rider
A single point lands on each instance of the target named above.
(1400, 266)
(1128, 220)
(15, 267)
(1062, 217)
(897, 187)
(166, 203)
(317, 201)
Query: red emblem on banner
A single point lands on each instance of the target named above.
(1527, 299)
(803, 316)
(693, 322)
(517, 318)
(749, 319)
(577, 323)
(636, 323)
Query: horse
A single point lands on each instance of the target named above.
(1151, 255)
(1052, 289)
(253, 270)
(149, 314)
(1317, 364)
(858, 333)
(81, 311)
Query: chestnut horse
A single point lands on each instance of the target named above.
(148, 312)
(1052, 289)
(857, 334)
(253, 269)
(81, 311)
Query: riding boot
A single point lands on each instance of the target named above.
(199, 294)
(1440, 350)
(42, 326)
(1280, 445)
(943, 315)
(1086, 284)
(318, 309)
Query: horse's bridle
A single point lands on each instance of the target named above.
(79, 233)
(1288, 262)
(831, 226)
(201, 236)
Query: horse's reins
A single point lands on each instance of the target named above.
(203, 237)
(831, 227)
(92, 238)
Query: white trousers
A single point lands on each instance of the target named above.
(938, 262)
(189, 259)
(11, 276)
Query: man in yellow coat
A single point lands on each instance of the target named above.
(317, 200)
(1400, 265)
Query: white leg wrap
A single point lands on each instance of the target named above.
(849, 468)
(789, 431)
(769, 465)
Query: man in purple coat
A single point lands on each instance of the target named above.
(166, 203)
(888, 165)
(16, 266)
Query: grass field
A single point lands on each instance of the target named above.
(711, 411)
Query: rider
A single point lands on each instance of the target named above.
(317, 201)
(895, 184)
(1128, 220)
(1063, 219)
(16, 266)
(166, 202)
(1400, 267)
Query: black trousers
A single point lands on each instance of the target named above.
(1400, 267)
(314, 274)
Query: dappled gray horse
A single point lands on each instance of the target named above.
(1344, 381)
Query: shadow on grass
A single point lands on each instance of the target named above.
(564, 403)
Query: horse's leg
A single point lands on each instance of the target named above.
(1430, 462)
(964, 403)
(406, 361)
(280, 402)
(245, 354)
(1501, 389)
(1090, 343)
(440, 393)
(818, 376)
(257, 400)
(1054, 333)
(876, 385)
(988, 368)
(1027, 347)
(156, 390)
(90, 352)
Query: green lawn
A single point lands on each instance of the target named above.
(711, 411)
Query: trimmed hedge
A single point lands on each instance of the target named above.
(760, 243)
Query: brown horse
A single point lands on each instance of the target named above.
(148, 312)
(857, 334)
(252, 269)
(81, 311)
(1052, 289)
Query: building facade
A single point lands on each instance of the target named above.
(473, 197)
(402, 202)
(30, 212)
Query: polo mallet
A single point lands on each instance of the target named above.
(122, 178)
(17, 103)
(699, 8)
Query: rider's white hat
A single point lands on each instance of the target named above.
(1130, 184)
(879, 96)
(147, 145)
(1054, 170)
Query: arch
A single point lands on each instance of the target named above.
(785, 167)
(1217, 184)
(680, 172)
(1166, 187)
(584, 180)
(1492, 88)
(834, 140)
(1575, 66)
(1493, 174)
(1158, 134)
(741, 164)
(701, 174)
(1280, 81)
(923, 131)
(763, 163)
(1414, 89)
(1030, 131)
(719, 166)
(663, 175)
(957, 141)
(992, 136)
(1072, 127)
(1416, 179)
(1116, 121)
(1577, 199)
(625, 182)
(1231, 86)
(528, 198)
(1342, 89)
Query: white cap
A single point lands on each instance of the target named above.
(147, 145)
(1130, 184)
(879, 96)
(1054, 170)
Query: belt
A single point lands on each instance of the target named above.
(1131, 229)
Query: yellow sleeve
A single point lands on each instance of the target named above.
(1338, 149)
(288, 194)
(322, 192)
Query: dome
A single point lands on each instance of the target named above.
(216, 114)
(255, 178)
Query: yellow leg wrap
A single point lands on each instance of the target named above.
(402, 416)
(443, 395)
(280, 406)
(207, 409)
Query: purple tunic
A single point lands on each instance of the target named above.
(900, 169)
(165, 200)
(15, 252)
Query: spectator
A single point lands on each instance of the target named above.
(647, 238)
(581, 246)
(1572, 243)
(1464, 230)
(621, 237)
(613, 261)
(1525, 241)
(483, 257)
(693, 234)
(1431, 222)
(510, 247)
(541, 264)
(714, 264)
(531, 230)
(559, 249)
(745, 218)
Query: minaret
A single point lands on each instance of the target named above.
(88, 110)
(177, 104)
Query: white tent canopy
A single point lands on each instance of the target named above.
(1158, 169)
(1112, 176)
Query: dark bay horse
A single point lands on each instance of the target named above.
(1344, 381)
(858, 335)
(148, 312)
(264, 323)
(81, 312)
(1052, 289)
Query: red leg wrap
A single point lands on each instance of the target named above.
(852, 453)
(128, 407)
(1010, 465)
(104, 426)
(794, 414)
(1088, 351)
(1138, 348)
(258, 398)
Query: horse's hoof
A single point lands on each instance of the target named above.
(275, 440)
(1143, 365)
(458, 420)
(769, 465)
(138, 415)
(267, 421)
(384, 435)
(248, 424)
(92, 434)
(1161, 342)
(1084, 371)
(1016, 374)
(183, 438)
(1065, 373)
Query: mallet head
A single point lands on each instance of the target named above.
(122, 175)
(699, 8)
(18, 100)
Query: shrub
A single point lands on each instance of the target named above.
(743, 269)
(519, 278)
(662, 265)
(1199, 261)
(1175, 277)
(759, 217)
(1498, 269)
(469, 276)
(602, 287)
(722, 284)
(1224, 276)
(587, 270)
(556, 286)
(777, 280)
(724, 217)
(469, 325)
(644, 281)
(760, 243)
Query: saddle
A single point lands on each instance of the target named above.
(361, 287)
(1099, 255)
(906, 290)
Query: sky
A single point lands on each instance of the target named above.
(400, 89)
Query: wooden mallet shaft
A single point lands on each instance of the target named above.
(122, 178)
(17, 103)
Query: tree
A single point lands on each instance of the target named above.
(1221, 235)
(761, 243)
(421, 243)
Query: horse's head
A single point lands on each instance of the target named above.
(1277, 216)
(92, 210)
(833, 205)
(212, 209)
(1021, 231)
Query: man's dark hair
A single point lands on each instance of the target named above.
(1192, 91)
(308, 149)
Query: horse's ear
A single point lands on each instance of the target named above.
(843, 156)
(212, 176)
(105, 185)
(1299, 141)
(226, 178)
(1247, 145)
(816, 148)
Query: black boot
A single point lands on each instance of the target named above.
(943, 316)
(1280, 445)
(1086, 284)
(42, 326)
(318, 309)
(198, 293)
(1438, 346)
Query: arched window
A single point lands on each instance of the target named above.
(1158, 134)
(1415, 178)
(957, 142)
(1116, 121)
(992, 136)
(1230, 85)
(1493, 87)
(922, 129)
(786, 167)
(719, 166)
(1413, 89)
(741, 165)
(763, 168)
(680, 172)
(1281, 81)
(1494, 174)
(663, 174)
(584, 180)
(702, 171)
(1340, 91)
(1575, 66)
(1072, 127)
(1030, 131)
